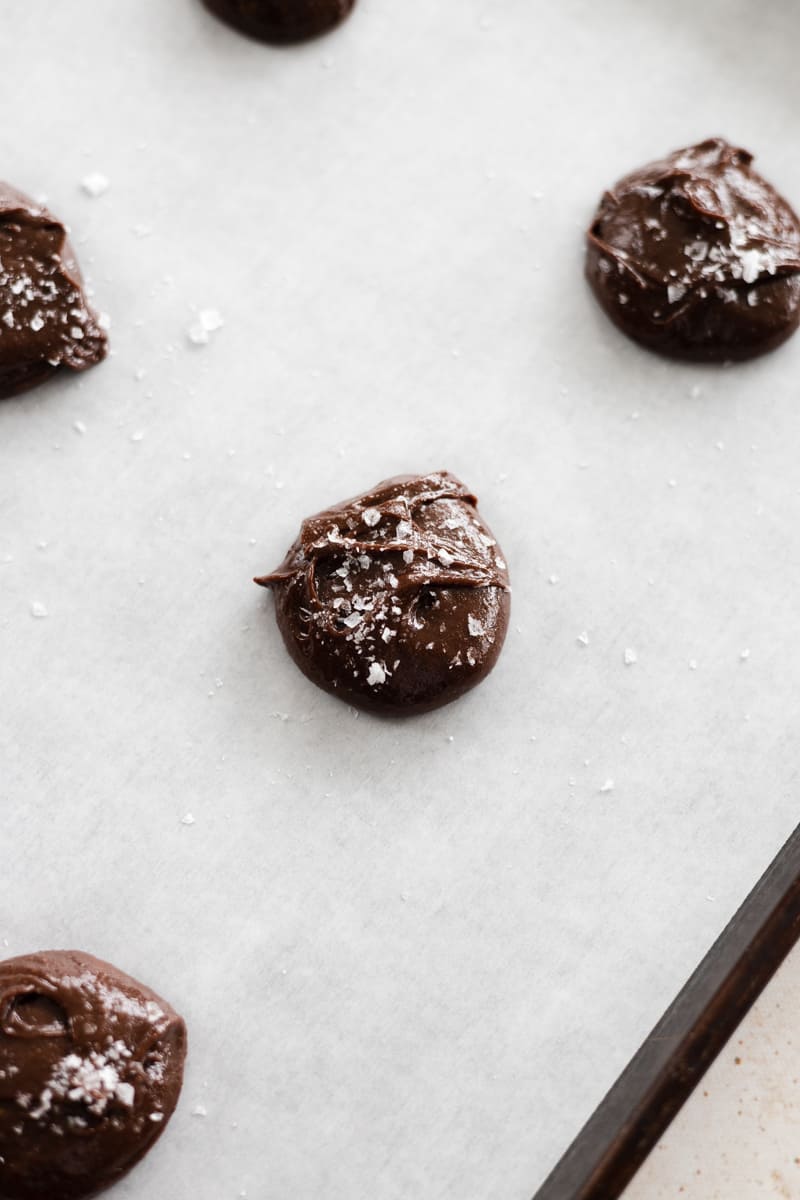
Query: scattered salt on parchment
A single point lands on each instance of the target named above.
(95, 183)
(209, 320)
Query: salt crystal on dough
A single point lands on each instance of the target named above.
(377, 674)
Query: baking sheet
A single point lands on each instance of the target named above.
(750, 1088)
(413, 956)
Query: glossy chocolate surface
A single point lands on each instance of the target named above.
(282, 21)
(46, 323)
(91, 1067)
(697, 257)
(398, 600)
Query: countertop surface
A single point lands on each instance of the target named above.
(412, 955)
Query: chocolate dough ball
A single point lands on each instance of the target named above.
(46, 323)
(282, 21)
(398, 600)
(91, 1067)
(697, 257)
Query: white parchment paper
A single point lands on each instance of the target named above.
(413, 956)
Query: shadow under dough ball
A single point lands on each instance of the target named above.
(282, 22)
(46, 323)
(91, 1067)
(697, 257)
(398, 600)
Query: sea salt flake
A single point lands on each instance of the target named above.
(377, 674)
(751, 265)
(209, 320)
(583, 638)
(93, 1081)
(37, 322)
(445, 557)
(95, 183)
(675, 292)
(697, 251)
(629, 657)
(475, 627)
(199, 1110)
(608, 786)
(187, 820)
(372, 517)
(38, 609)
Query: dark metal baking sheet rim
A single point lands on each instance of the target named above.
(664, 1072)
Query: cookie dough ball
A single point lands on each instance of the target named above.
(697, 257)
(282, 21)
(46, 322)
(91, 1066)
(398, 600)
